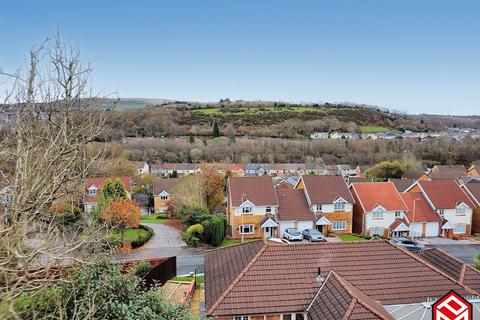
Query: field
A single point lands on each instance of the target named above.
(373, 129)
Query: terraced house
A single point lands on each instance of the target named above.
(330, 201)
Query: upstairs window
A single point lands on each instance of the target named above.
(268, 209)
(163, 197)
(339, 206)
(461, 211)
(377, 214)
(398, 214)
(241, 318)
(441, 212)
(92, 191)
(319, 207)
(247, 209)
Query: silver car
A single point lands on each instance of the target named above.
(313, 235)
(292, 234)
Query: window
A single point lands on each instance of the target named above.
(292, 316)
(376, 232)
(377, 214)
(92, 191)
(339, 206)
(241, 318)
(163, 197)
(459, 228)
(319, 207)
(398, 214)
(247, 209)
(461, 211)
(7, 199)
(246, 229)
(440, 212)
(268, 209)
(338, 225)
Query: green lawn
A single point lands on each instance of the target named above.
(231, 242)
(373, 129)
(200, 279)
(349, 237)
(131, 234)
(153, 218)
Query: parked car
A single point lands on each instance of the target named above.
(408, 244)
(292, 234)
(313, 235)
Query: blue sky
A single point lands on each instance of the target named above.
(413, 56)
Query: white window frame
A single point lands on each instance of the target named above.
(463, 230)
(247, 210)
(319, 207)
(292, 316)
(268, 209)
(163, 197)
(241, 318)
(242, 226)
(344, 223)
(92, 191)
(398, 214)
(339, 206)
(441, 212)
(461, 211)
(376, 229)
(377, 214)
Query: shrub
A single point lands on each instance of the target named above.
(192, 215)
(141, 269)
(215, 230)
(142, 237)
(192, 234)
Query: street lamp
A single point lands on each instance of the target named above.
(413, 219)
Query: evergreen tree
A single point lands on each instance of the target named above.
(216, 130)
(191, 139)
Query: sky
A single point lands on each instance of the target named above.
(412, 56)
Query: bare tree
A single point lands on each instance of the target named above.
(53, 118)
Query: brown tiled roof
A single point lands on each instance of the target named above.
(160, 185)
(398, 222)
(338, 299)
(224, 265)
(99, 182)
(445, 194)
(358, 179)
(402, 184)
(473, 188)
(423, 212)
(460, 271)
(413, 174)
(447, 172)
(372, 194)
(293, 206)
(326, 189)
(258, 190)
(281, 278)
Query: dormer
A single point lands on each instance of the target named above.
(461, 209)
(339, 204)
(92, 190)
(247, 207)
(164, 195)
(378, 212)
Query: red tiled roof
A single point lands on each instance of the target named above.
(258, 190)
(326, 189)
(396, 223)
(445, 194)
(293, 206)
(413, 174)
(447, 172)
(473, 188)
(281, 278)
(160, 185)
(338, 299)
(373, 194)
(99, 182)
(423, 212)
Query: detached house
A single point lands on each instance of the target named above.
(422, 220)
(330, 201)
(251, 206)
(447, 172)
(378, 210)
(142, 167)
(93, 187)
(162, 189)
(472, 189)
(451, 203)
(293, 211)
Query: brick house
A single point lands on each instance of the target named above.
(162, 189)
(472, 189)
(330, 201)
(422, 220)
(344, 280)
(93, 187)
(293, 211)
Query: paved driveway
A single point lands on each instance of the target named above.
(167, 242)
(464, 250)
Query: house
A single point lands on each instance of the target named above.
(378, 210)
(473, 171)
(472, 189)
(422, 220)
(93, 187)
(415, 175)
(251, 205)
(343, 280)
(312, 168)
(142, 167)
(186, 168)
(402, 184)
(448, 200)
(162, 197)
(319, 135)
(283, 184)
(142, 199)
(257, 169)
(447, 172)
(293, 211)
(236, 169)
(345, 170)
(331, 202)
(162, 169)
(358, 179)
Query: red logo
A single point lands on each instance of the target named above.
(452, 307)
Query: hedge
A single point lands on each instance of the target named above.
(142, 239)
(214, 230)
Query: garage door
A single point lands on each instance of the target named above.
(284, 225)
(416, 229)
(302, 225)
(432, 229)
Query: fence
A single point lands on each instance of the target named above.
(161, 273)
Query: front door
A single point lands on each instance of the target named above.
(267, 232)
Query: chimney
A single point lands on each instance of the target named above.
(319, 277)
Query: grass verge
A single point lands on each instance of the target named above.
(200, 279)
(350, 237)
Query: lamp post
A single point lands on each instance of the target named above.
(413, 219)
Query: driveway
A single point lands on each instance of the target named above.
(167, 242)
(464, 250)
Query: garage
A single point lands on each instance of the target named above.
(431, 229)
(284, 225)
(302, 225)
(416, 230)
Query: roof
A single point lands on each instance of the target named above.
(258, 190)
(326, 189)
(358, 179)
(421, 210)
(373, 194)
(447, 172)
(457, 269)
(338, 299)
(160, 185)
(99, 182)
(139, 164)
(402, 184)
(445, 194)
(237, 285)
(473, 188)
(185, 166)
(413, 174)
(398, 222)
(293, 206)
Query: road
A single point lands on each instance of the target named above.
(167, 242)
(464, 252)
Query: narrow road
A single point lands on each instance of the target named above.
(167, 242)
(464, 252)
